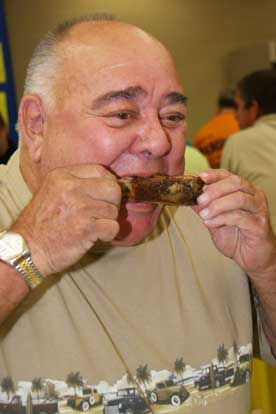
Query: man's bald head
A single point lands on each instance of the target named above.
(99, 34)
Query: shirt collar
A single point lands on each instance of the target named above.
(15, 181)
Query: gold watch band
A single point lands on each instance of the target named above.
(31, 275)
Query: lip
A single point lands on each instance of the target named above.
(142, 174)
(141, 207)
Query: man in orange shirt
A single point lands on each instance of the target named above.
(211, 137)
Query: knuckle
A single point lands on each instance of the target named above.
(103, 172)
(263, 196)
(114, 191)
(58, 179)
(52, 178)
(112, 211)
(99, 169)
(238, 181)
(56, 174)
(115, 228)
(241, 198)
(107, 229)
(79, 226)
(224, 172)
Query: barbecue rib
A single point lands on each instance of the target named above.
(166, 189)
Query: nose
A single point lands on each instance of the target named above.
(152, 139)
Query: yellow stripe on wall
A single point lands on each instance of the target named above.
(4, 107)
(3, 77)
(263, 388)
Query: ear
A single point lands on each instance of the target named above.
(32, 124)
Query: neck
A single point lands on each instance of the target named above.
(226, 111)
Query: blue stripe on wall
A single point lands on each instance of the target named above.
(8, 86)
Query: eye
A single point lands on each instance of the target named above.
(122, 115)
(172, 119)
(120, 118)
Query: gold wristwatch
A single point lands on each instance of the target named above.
(14, 251)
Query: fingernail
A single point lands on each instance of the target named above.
(204, 213)
(203, 198)
(204, 174)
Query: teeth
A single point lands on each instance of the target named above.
(178, 190)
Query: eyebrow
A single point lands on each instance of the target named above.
(175, 97)
(130, 93)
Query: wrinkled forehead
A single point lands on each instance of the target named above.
(102, 64)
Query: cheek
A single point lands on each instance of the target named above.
(104, 146)
(175, 159)
(72, 140)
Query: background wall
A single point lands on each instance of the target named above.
(214, 41)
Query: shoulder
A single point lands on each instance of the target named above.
(241, 138)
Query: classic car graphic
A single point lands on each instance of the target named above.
(213, 376)
(168, 391)
(127, 401)
(16, 406)
(88, 399)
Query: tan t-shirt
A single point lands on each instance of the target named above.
(170, 316)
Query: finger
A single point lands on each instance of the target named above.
(97, 209)
(106, 230)
(88, 171)
(229, 184)
(234, 201)
(101, 189)
(238, 218)
(213, 175)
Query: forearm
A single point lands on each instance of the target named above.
(265, 288)
(13, 289)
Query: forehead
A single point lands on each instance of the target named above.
(92, 68)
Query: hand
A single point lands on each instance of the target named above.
(236, 214)
(75, 207)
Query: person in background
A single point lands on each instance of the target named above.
(130, 298)
(6, 147)
(211, 137)
(251, 153)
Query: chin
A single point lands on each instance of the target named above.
(136, 223)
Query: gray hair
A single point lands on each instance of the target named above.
(42, 71)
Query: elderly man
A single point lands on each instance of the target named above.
(143, 306)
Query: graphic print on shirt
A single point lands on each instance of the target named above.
(176, 391)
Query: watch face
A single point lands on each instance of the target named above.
(11, 245)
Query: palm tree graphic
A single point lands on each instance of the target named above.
(179, 367)
(143, 375)
(74, 380)
(37, 386)
(222, 354)
(8, 386)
